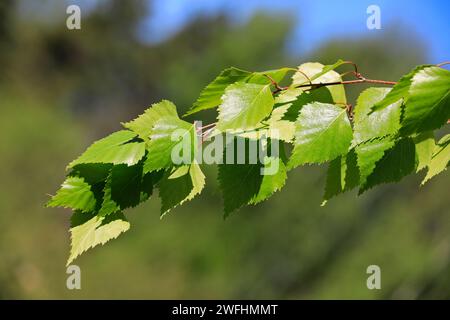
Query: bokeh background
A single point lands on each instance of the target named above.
(62, 89)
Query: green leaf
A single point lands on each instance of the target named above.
(369, 125)
(441, 158)
(289, 95)
(425, 145)
(270, 183)
(299, 97)
(127, 187)
(210, 97)
(90, 231)
(126, 183)
(123, 189)
(167, 136)
(399, 91)
(149, 181)
(244, 106)
(311, 70)
(428, 105)
(92, 173)
(318, 73)
(76, 194)
(396, 163)
(263, 77)
(144, 123)
(252, 181)
(274, 127)
(108, 204)
(284, 129)
(239, 184)
(323, 132)
(369, 153)
(113, 149)
(342, 175)
(180, 185)
(296, 102)
(96, 175)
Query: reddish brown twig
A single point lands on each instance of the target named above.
(355, 66)
(443, 63)
(274, 83)
(357, 75)
(305, 75)
(206, 126)
(326, 84)
(311, 86)
(205, 134)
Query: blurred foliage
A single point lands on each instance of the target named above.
(61, 89)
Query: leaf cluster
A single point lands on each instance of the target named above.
(390, 134)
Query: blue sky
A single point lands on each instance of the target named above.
(317, 20)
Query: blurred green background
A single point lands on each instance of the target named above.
(62, 89)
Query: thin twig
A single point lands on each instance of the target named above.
(360, 80)
(274, 83)
(443, 63)
(206, 126)
(326, 84)
(205, 134)
(355, 66)
(356, 74)
(348, 107)
(305, 75)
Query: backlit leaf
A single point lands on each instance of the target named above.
(323, 132)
